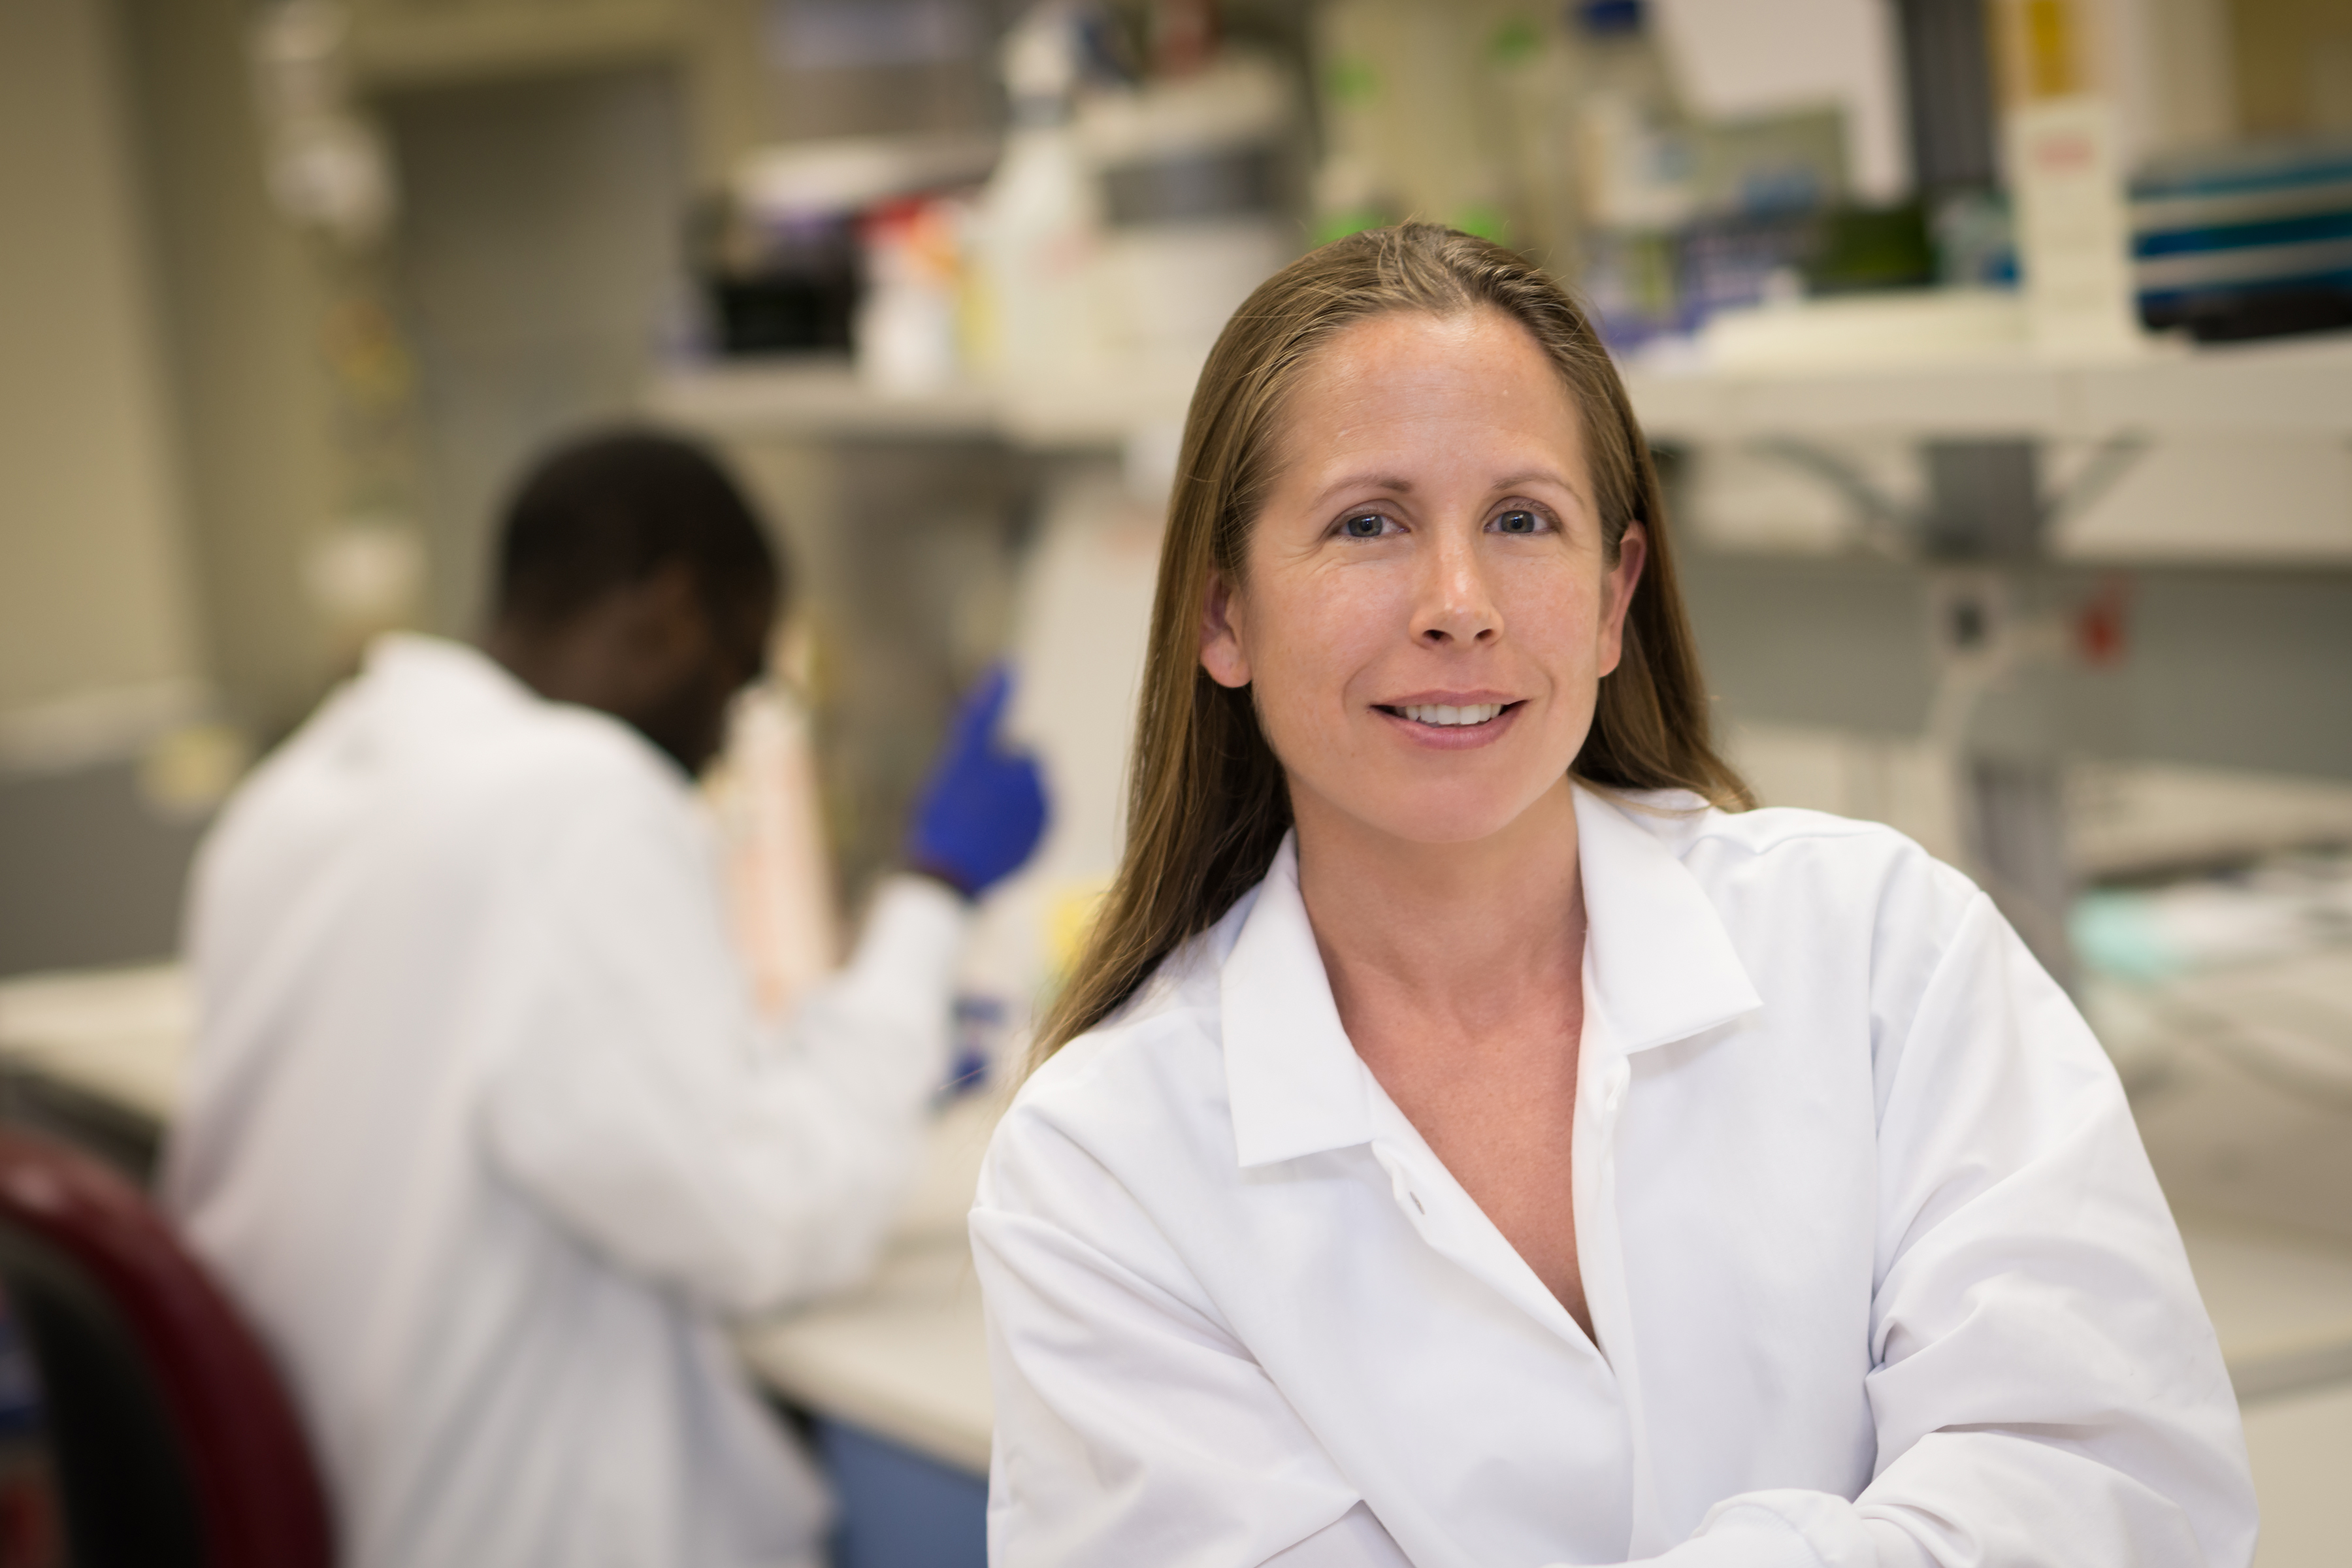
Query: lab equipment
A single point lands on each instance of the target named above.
(779, 255)
(328, 165)
(1194, 184)
(2066, 172)
(2245, 243)
(910, 326)
(764, 803)
(1040, 217)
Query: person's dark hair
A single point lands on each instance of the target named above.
(612, 508)
(1207, 801)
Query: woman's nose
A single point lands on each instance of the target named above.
(1454, 604)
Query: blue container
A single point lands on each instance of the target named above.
(2250, 242)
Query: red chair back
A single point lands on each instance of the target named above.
(255, 1490)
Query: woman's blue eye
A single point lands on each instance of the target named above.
(1367, 526)
(1519, 522)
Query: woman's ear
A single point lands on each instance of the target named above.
(1221, 653)
(1617, 593)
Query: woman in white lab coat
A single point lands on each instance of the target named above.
(1471, 1137)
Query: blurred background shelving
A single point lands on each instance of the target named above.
(326, 426)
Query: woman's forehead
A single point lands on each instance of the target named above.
(1404, 390)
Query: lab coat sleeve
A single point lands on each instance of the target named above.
(638, 1099)
(1131, 1426)
(2046, 1386)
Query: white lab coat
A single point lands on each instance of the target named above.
(481, 1132)
(1877, 1267)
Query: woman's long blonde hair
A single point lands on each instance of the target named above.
(1207, 805)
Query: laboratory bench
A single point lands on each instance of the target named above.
(895, 1373)
(902, 1355)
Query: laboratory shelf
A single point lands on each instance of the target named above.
(2300, 386)
(819, 396)
(2292, 386)
(823, 398)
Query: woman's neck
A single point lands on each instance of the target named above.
(1460, 933)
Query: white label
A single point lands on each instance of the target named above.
(2073, 227)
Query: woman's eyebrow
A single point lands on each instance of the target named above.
(1534, 475)
(1394, 484)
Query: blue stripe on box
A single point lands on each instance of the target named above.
(2239, 237)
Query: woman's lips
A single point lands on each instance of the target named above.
(1456, 736)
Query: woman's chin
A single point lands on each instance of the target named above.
(1452, 814)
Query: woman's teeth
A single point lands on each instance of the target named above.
(1475, 714)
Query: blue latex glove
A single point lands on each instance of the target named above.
(983, 808)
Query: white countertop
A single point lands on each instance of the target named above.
(119, 1034)
(905, 1356)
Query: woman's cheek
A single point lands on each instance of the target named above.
(1309, 620)
(1556, 614)
(1304, 680)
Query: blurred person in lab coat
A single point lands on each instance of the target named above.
(481, 1125)
(1473, 1136)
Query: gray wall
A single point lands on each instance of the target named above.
(89, 872)
(94, 593)
(2240, 669)
(538, 271)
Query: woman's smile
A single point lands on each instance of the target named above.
(1450, 723)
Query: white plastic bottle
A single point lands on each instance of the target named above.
(1040, 217)
(2066, 181)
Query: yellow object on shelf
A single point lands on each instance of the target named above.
(2045, 48)
(2066, 180)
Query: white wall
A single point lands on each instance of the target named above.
(94, 595)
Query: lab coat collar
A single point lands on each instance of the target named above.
(1658, 963)
(1659, 966)
(424, 690)
(426, 686)
(449, 671)
(1294, 1082)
